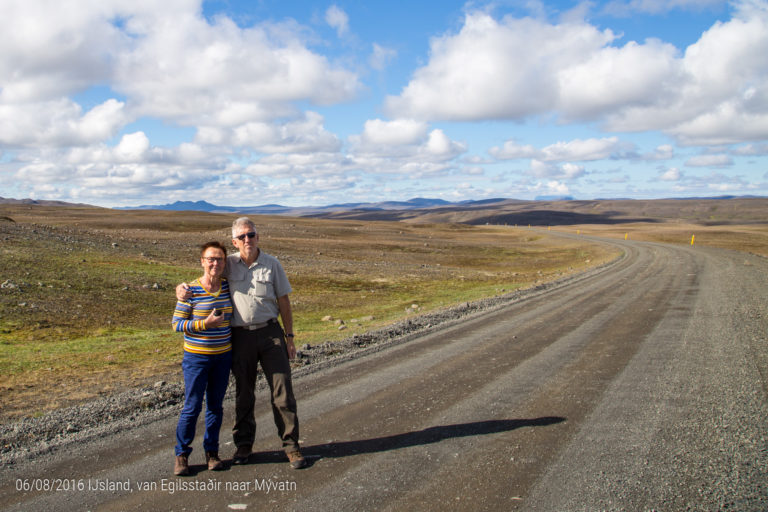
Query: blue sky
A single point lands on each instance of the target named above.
(125, 102)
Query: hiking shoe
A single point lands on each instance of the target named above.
(241, 455)
(181, 468)
(296, 459)
(213, 461)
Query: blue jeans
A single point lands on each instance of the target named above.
(209, 376)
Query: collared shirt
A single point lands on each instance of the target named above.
(255, 289)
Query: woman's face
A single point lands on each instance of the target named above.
(213, 261)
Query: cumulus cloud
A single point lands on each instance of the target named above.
(187, 69)
(511, 150)
(713, 92)
(166, 59)
(672, 174)
(301, 135)
(567, 171)
(582, 150)
(663, 152)
(551, 188)
(752, 150)
(403, 144)
(129, 170)
(52, 49)
(399, 131)
(59, 122)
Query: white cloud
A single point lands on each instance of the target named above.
(567, 171)
(492, 70)
(663, 152)
(581, 150)
(337, 19)
(709, 161)
(189, 70)
(170, 63)
(59, 122)
(551, 188)
(608, 79)
(302, 135)
(399, 131)
(671, 174)
(712, 93)
(514, 151)
(403, 146)
(52, 49)
(132, 147)
(752, 150)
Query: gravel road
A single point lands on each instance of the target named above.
(640, 386)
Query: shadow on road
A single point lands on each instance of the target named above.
(408, 439)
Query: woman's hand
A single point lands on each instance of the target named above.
(213, 321)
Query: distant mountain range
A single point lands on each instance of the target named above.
(276, 209)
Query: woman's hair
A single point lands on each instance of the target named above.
(208, 245)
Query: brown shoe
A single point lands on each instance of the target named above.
(181, 468)
(213, 461)
(241, 455)
(296, 459)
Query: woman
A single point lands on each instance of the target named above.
(204, 320)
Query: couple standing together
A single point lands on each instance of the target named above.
(229, 320)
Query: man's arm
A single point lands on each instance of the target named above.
(286, 315)
(183, 293)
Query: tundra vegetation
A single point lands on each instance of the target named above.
(87, 293)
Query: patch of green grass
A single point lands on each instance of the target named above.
(103, 348)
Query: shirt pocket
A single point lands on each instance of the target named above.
(261, 285)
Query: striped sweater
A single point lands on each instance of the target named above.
(189, 316)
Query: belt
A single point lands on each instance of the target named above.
(253, 327)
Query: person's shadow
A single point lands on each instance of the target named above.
(425, 436)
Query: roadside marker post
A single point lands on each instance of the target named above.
(626, 236)
(692, 238)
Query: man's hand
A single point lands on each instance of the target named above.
(291, 348)
(183, 293)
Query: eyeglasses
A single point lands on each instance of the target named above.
(250, 234)
(210, 259)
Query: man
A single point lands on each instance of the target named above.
(259, 288)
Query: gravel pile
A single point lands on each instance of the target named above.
(32, 437)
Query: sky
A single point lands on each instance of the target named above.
(307, 103)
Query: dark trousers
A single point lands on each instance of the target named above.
(265, 346)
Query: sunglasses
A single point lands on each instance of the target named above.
(250, 234)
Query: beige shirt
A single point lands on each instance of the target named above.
(255, 289)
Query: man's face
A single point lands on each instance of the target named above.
(247, 245)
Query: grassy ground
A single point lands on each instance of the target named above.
(752, 238)
(89, 293)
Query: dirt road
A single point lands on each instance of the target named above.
(641, 387)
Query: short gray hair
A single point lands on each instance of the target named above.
(240, 222)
